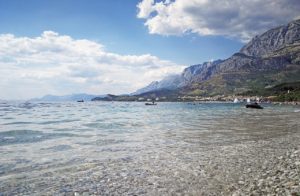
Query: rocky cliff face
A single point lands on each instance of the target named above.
(273, 39)
(268, 59)
(181, 80)
(199, 72)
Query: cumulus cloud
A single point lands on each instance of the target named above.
(241, 19)
(58, 64)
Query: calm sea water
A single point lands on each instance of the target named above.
(118, 147)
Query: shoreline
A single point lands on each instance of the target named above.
(211, 101)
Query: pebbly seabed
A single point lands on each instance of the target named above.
(118, 148)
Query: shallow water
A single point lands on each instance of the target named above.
(122, 148)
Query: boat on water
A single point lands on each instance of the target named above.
(236, 100)
(80, 100)
(150, 104)
(254, 105)
(248, 100)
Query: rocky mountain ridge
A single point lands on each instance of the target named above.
(273, 40)
(267, 60)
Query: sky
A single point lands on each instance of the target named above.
(101, 46)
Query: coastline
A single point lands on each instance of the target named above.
(186, 98)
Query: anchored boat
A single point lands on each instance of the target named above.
(150, 104)
(254, 106)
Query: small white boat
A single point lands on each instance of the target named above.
(236, 100)
(248, 100)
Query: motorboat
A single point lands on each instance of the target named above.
(150, 104)
(254, 105)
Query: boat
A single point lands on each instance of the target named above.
(80, 100)
(248, 100)
(254, 106)
(150, 104)
(236, 100)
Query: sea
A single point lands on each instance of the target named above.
(127, 148)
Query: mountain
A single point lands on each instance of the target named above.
(269, 59)
(176, 81)
(273, 40)
(108, 97)
(169, 82)
(286, 92)
(198, 72)
(73, 97)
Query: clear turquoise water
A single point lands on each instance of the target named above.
(60, 148)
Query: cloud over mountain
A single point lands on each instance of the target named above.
(58, 64)
(241, 19)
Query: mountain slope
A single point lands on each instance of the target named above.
(273, 39)
(170, 82)
(267, 60)
(177, 81)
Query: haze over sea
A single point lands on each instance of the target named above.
(122, 147)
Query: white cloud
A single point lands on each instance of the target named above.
(241, 19)
(145, 8)
(59, 64)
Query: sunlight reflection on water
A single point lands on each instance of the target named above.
(48, 147)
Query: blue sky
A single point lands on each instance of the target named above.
(112, 23)
(102, 46)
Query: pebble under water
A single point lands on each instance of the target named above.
(121, 148)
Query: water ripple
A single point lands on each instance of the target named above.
(28, 136)
(55, 148)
